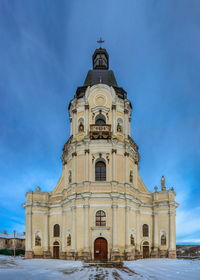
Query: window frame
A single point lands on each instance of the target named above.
(145, 230)
(100, 171)
(56, 230)
(100, 117)
(100, 218)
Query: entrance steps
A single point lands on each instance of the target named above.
(108, 264)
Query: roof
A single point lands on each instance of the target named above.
(98, 76)
(11, 235)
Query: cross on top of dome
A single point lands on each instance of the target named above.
(100, 41)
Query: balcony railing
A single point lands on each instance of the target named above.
(100, 131)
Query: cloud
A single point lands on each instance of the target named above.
(188, 222)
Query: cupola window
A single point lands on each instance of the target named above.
(100, 119)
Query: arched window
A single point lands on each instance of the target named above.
(145, 230)
(100, 119)
(163, 240)
(100, 171)
(100, 218)
(56, 230)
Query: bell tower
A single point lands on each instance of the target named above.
(100, 59)
(100, 208)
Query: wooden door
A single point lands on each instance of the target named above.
(100, 249)
(56, 252)
(145, 251)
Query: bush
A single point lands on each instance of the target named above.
(10, 252)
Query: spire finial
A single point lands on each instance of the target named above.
(100, 41)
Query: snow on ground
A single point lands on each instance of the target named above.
(166, 269)
(148, 269)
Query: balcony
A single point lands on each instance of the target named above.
(100, 131)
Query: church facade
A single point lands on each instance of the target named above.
(100, 208)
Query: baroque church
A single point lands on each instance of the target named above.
(100, 208)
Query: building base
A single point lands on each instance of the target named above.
(129, 256)
(29, 254)
(86, 256)
(138, 255)
(63, 255)
(171, 254)
(47, 255)
(71, 256)
(115, 255)
(155, 253)
(163, 254)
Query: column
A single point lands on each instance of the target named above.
(74, 111)
(87, 164)
(28, 229)
(172, 237)
(114, 118)
(126, 123)
(86, 227)
(114, 151)
(172, 230)
(86, 119)
(114, 227)
(73, 227)
(126, 168)
(63, 231)
(155, 230)
(127, 233)
(74, 167)
(71, 126)
(129, 124)
(46, 231)
(138, 226)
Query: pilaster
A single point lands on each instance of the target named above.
(114, 151)
(46, 234)
(74, 165)
(86, 252)
(74, 122)
(172, 235)
(73, 227)
(154, 252)
(29, 253)
(115, 250)
(138, 238)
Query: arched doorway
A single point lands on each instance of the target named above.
(100, 249)
(145, 249)
(56, 250)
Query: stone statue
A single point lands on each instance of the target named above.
(81, 127)
(132, 240)
(131, 176)
(70, 177)
(37, 241)
(119, 127)
(163, 187)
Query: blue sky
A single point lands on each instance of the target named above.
(46, 49)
